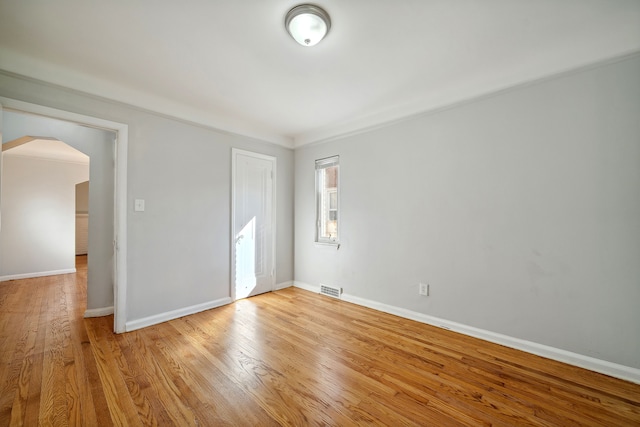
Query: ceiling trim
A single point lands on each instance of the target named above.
(399, 115)
(65, 79)
(50, 74)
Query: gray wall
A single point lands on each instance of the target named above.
(522, 211)
(178, 250)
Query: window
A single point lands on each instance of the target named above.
(327, 200)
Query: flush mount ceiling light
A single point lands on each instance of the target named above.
(307, 24)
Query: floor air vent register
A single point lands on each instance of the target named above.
(330, 291)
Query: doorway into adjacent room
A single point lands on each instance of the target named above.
(106, 143)
(40, 211)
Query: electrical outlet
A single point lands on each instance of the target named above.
(423, 289)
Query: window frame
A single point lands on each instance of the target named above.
(323, 200)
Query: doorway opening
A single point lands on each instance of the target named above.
(39, 179)
(82, 220)
(71, 127)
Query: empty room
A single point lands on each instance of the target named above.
(363, 212)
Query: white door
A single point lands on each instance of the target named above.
(253, 224)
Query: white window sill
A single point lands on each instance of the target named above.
(329, 244)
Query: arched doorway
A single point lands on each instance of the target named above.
(74, 125)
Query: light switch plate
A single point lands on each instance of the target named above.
(139, 205)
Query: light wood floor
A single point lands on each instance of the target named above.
(285, 358)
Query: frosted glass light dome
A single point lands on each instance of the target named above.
(307, 24)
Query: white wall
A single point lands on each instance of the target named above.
(178, 251)
(522, 211)
(38, 233)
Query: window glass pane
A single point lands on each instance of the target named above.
(327, 172)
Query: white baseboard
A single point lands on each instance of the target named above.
(98, 312)
(602, 366)
(38, 274)
(307, 287)
(284, 285)
(170, 315)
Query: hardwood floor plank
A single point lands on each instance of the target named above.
(457, 352)
(77, 365)
(330, 367)
(225, 404)
(35, 382)
(385, 370)
(28, 379)
(385, 367)
(454, 370)
(260, 382)
(8, 300)
(348, 363)
(578, 405)
(150, 407)
(160, 382)
(289, 357)
(120, 403)
(97, 394)
(53, 407)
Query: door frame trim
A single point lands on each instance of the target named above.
(232, 244)
(120, 193)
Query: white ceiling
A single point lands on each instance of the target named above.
(50, 149)
(232, 65)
